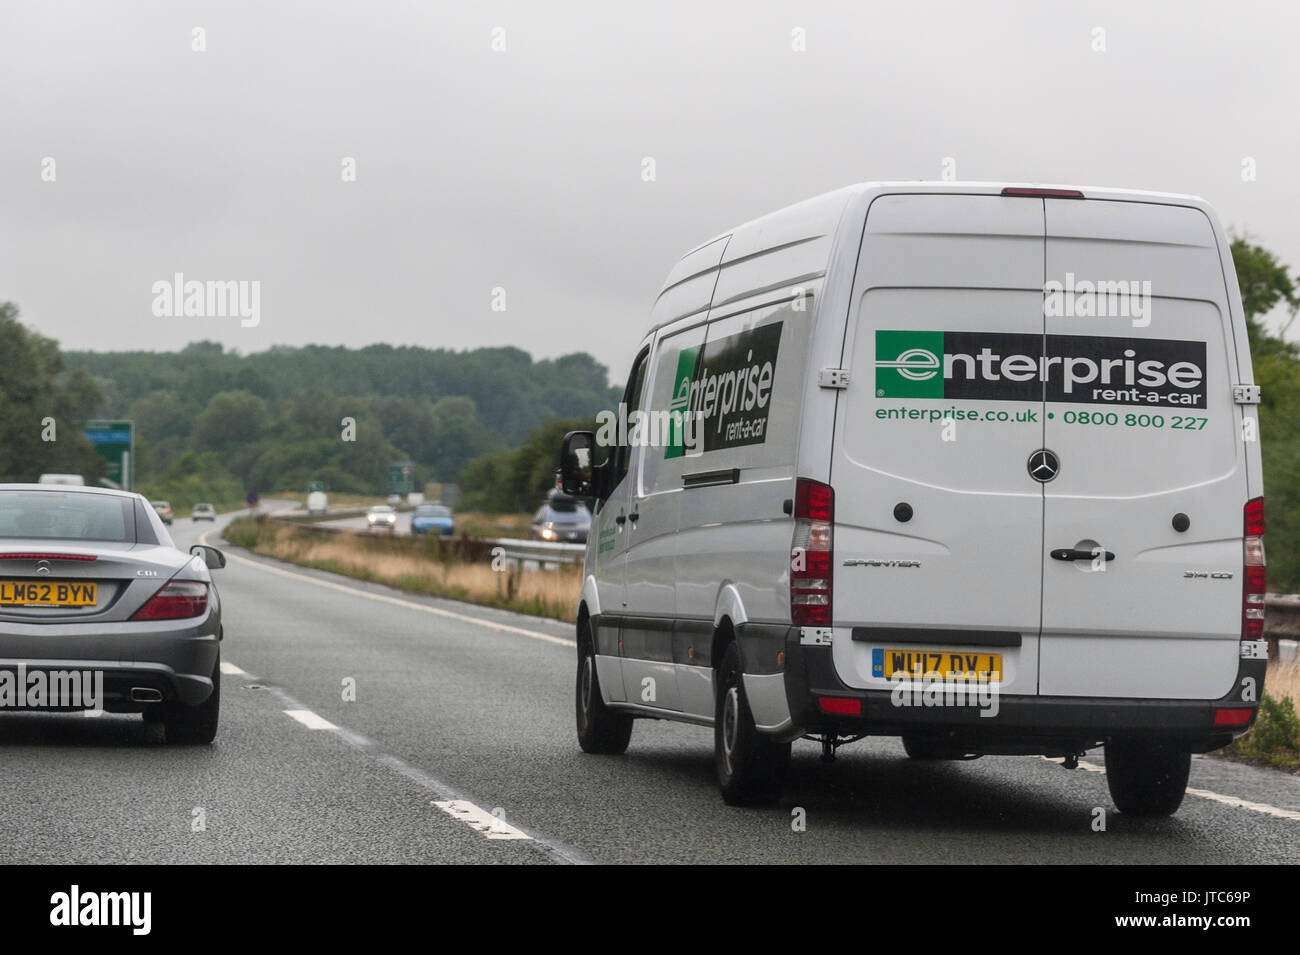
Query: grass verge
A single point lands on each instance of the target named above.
(457, 569)
(1274, 740)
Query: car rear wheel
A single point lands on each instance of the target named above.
(1147, 778)
(751, 767)
(191, 725)
(600, 729)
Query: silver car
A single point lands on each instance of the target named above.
(99, 610)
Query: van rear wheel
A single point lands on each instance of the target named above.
(751, 767)
(600, 729)
(1147, 778)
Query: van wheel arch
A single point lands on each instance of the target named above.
(581, 633)
(724, 634)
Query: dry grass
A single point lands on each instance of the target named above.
(402, 563)
(1283, 681)
(479, 524)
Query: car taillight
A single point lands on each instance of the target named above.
(811, 572)
(1254, 572)
(180, 598)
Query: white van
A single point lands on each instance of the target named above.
(68, 480)
(968, 464)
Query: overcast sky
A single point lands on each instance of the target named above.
(522, 169)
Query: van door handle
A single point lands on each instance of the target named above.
(620, 519)
(634, 516)
(1070, 553)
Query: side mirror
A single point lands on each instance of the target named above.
(577, 464)
(211, 556)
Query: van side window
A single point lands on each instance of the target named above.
(632, 401)
(674, 441)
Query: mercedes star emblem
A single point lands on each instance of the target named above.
(1044, 465)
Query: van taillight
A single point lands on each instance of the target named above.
(811, 571)
(1254, 572)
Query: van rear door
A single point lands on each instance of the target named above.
(938, 524)
(1141, 418)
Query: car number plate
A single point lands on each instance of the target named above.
(936, 664)
(47, 593)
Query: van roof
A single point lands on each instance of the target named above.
(823, 211)
(819, 217)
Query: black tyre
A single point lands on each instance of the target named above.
(195, 725)
(1147, 778)
(751, 767)
(600, 729)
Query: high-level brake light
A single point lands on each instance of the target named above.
(1043, 193)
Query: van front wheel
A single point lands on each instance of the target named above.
(1147, 778)
(600, 729)
(751, 767)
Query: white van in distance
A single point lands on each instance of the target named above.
(973, 465)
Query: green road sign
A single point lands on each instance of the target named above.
(114, 441)
(401, 478)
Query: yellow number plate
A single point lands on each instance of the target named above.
(936, 664)
(47, 593)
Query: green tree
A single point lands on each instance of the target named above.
(231, 419)
(518, 479)
(1266, 283)
(43, 407)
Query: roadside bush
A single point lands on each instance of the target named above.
(1275, 738)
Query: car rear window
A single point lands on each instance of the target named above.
(58, 515)
(432, 511)
(565, 505)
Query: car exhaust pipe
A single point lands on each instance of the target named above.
(145, 694)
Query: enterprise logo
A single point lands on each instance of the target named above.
(915, 364)
(1004, 366)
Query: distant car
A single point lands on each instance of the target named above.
(204, 512)
(90, 581)
(70, 480)
(432, 518)
(562, 519)
(381, 517)
(164, 510)
(394, 500)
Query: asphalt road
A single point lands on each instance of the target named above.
(454, 702)
(402, 528)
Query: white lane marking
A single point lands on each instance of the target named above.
(229, 669)
(1262, 807)
(310, 720)
(480, 820)
(1247, 804)
(399, 602)
(447, 795)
